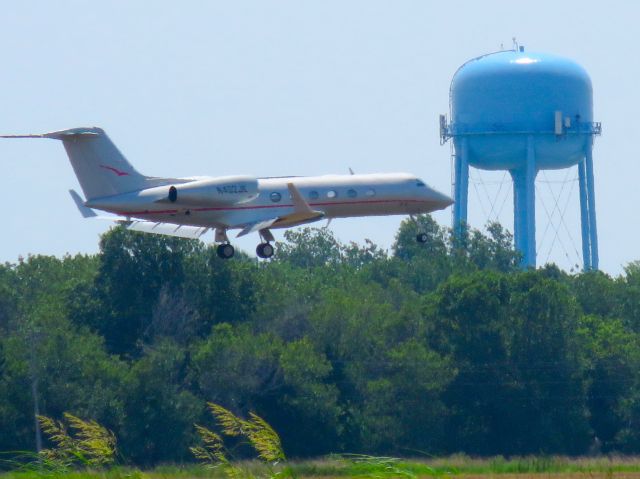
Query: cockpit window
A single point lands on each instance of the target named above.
(420, 183)
(275, 197)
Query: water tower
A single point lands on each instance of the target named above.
(524, 112)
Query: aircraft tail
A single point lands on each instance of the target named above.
(99, 166)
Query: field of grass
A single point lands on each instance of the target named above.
(385, 468)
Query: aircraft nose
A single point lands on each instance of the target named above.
(439, 200)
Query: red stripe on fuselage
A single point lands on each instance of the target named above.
(260, 207)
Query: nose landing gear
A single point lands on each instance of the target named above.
(264, 249)
(421, 237)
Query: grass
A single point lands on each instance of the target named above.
(461, 465)
(381, 468)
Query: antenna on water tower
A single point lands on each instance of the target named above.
(524, 112)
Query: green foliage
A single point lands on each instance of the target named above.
(159, 408)
(432, 348)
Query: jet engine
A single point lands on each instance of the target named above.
(228, 190)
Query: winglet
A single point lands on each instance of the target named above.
(299, 203)
(85, 211)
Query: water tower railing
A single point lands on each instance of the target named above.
(453, 130)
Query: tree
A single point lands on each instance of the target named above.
(471, 324)
(596, 293)
(546, 351)
(134, 268)
(310, 248)
(234, 366)
(520, 386)
(220, 291)
(612, 358)
(305, 409)
(159, 409)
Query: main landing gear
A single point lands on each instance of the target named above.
(224, 250)
(264, 249)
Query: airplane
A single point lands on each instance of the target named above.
(191, 206)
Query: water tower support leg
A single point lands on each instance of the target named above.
(524, 208)
(517, 215)
(461, 191)
(531, 203)
(584, 216)
(592, 208)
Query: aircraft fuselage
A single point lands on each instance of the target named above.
(336, 196)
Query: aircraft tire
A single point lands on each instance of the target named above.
(422, 238)
(264, 250)
(225, 251)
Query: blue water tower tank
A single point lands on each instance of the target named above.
(524, 112)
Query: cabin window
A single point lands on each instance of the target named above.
(332, 194)
(352, 193)
(314, 195)
(275, 197)
(370, 192)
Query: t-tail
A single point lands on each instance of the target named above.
(98, 164)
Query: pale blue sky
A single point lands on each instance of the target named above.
(289, 87)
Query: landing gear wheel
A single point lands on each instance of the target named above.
(225, 251)
(422, 238)
(264, 250)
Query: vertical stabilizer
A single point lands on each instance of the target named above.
(100, 167)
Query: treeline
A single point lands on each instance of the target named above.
(432, 348)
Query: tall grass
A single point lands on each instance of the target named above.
(76, 443)
(255, 431)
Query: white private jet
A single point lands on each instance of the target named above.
(189, 207)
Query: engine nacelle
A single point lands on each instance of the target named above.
(199, 192)
(226, 190)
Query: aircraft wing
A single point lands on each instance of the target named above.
(302, 214)
(181, 231)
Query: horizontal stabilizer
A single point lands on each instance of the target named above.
(181, 231)
(62, 134)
